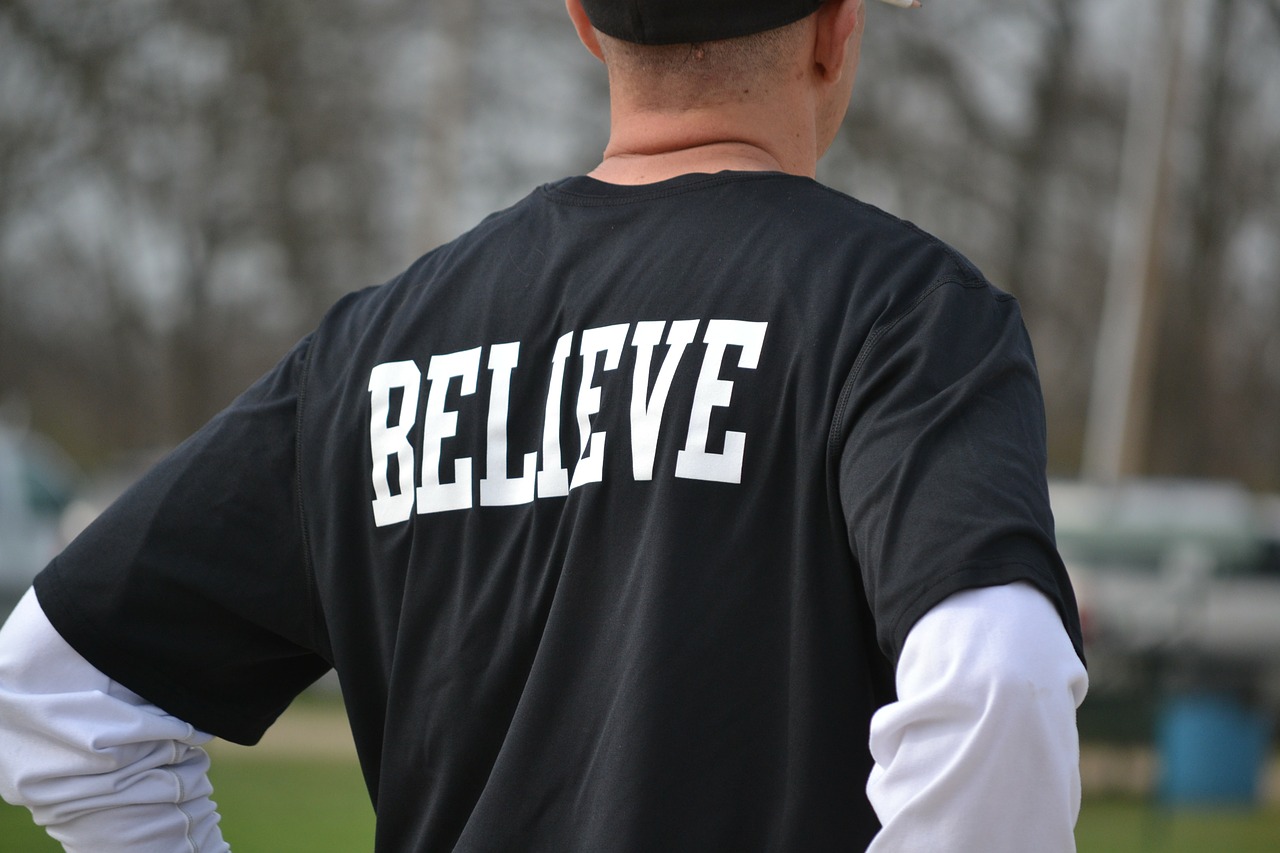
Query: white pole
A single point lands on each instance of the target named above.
(1115, 433)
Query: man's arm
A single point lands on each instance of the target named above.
(100, 768)
(980, 751)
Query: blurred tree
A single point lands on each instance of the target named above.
(1184, 389)
(183, 185)
(1217, 392)
(451, 99)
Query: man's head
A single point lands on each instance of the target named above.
(767, 72)
(686, 74)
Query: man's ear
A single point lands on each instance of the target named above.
(837, 21)
(586, 32)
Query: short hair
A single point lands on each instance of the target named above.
(694, 72)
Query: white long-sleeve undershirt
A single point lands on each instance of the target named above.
(101, 769)
(979, 752)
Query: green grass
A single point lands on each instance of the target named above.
(19, 835)
(268, 805)
(295, 806)
(1132, 826)
(299, 805)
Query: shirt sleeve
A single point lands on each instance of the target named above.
(980, 751)
(194, 589)
(942, 455)
(103, 770)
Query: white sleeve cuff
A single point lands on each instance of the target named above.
(98, 766)
(980, 751)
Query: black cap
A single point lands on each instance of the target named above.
(682, 21)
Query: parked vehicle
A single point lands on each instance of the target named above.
(36, 485)
(1174, 573)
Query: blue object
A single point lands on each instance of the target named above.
(1212, 751)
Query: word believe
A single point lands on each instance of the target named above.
(393, 438)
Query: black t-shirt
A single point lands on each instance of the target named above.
(612, 515)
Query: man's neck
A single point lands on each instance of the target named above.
(645, 147)
(709, 159)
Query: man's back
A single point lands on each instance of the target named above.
(660, 643)
(662, 628)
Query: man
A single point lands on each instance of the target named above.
(615, 517)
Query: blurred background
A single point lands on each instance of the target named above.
(186, 186)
